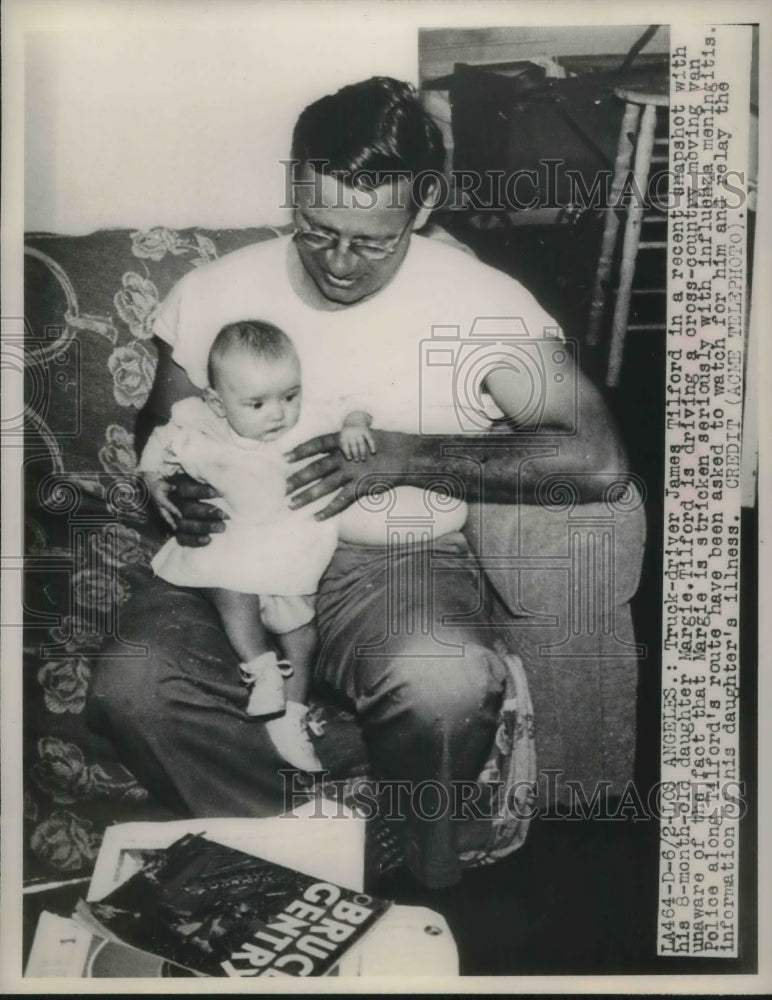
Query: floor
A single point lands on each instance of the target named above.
(577, 898)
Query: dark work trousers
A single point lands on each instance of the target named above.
(405, 642)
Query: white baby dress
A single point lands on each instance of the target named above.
(266, 548)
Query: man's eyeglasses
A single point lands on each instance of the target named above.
(317, 239)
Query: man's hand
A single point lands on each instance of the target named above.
(197, 520)
(160, 490)
(332, 471)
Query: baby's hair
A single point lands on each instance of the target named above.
(261, 339)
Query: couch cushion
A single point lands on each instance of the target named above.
(537, 555)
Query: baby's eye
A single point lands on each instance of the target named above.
(257, 405)
(291, 396)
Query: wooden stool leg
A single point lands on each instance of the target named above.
(630, 246)
(611, 224)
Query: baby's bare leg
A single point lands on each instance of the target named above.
(243, 624)
(299, 647)
(240, 614)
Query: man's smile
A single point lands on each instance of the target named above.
(338, 282)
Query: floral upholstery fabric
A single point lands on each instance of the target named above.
(89, 358)
(90, 304)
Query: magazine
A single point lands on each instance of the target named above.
(338, 855)
(221, 912)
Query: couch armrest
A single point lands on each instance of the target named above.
(565, 577)
(537, 557)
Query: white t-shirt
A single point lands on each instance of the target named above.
(419, 349)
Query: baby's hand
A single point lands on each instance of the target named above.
(160, 490)
(355, 439)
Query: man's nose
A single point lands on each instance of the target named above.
(341, 260)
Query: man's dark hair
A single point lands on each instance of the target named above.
(378, 126)
(263, 340)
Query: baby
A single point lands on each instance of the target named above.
(261, 572)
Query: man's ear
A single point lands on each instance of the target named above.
(214, 402)
(429, 200)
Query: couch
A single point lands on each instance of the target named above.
(565, 572)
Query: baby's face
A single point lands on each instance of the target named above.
(259, 398)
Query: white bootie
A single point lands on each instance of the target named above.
(265, 676)
(289, 735)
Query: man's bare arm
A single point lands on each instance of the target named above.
(170, 385)
(513, 466)
(575, 440)
(498, 467)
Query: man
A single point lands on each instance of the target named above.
(405, 647)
